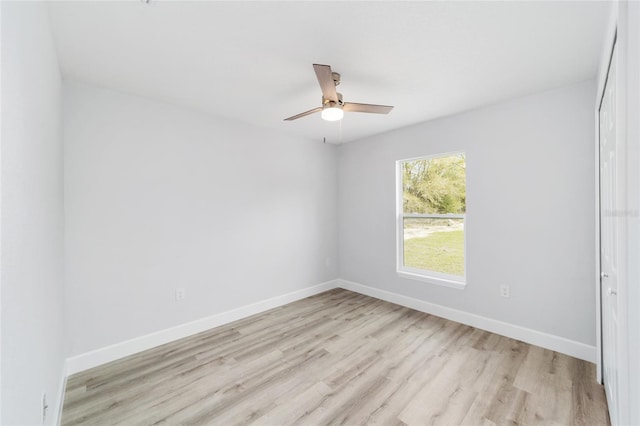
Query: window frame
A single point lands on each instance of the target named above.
(425, 275)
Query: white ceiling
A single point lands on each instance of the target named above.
(252, 61)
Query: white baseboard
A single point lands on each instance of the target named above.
(129, 347)
(548, 341)
(110, 353)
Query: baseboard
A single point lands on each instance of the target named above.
(110, 353)
(548, 341)
(129, 347)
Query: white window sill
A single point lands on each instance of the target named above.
(445, 282)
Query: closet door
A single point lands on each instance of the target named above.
(611, 168)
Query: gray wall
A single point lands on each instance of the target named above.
(530, 210)
(158, 197)
(33, 342)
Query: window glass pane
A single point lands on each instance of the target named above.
(434, 244)
(434, 185)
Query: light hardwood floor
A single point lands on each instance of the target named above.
(339, 358)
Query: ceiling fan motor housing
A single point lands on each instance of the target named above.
(328, 103)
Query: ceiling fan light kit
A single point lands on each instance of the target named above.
(333, 107)
(333, 113)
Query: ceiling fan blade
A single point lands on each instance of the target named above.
(376, 109)
(325, 78)
(303, 114)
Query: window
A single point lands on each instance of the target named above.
(431, 216)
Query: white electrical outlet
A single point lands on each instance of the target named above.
(180, 293)
(505, 291)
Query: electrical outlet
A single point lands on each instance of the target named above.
(505, 291)
(44, 407)
(180, 293)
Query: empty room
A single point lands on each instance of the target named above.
(320, 212)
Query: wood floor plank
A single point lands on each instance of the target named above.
(287, 411)
(339, 358)
(448, 397)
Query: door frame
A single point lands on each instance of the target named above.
(617, 33)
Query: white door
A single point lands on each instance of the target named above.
(610, 169)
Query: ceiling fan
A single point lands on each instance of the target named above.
(333, 107)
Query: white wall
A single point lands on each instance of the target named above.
(33, 342)
(158, 197)
(530, 217)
